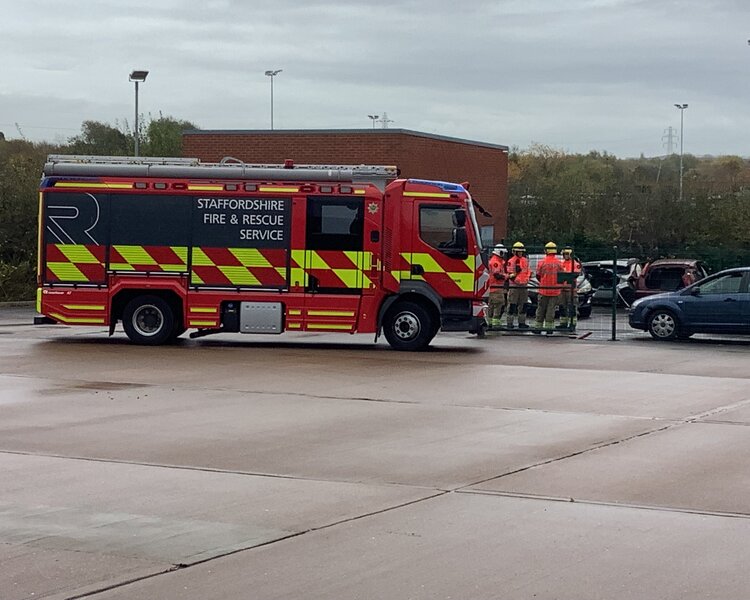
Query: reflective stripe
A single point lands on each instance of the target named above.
(84, 306)
(250, 257)
(294, 325)
(427, 195)
(239, 276)
(359, 191)
(202, 309)
(328, 326)
(330, 313)
(277, 189)
(88, 184)
(39, 300)
(206, 188)
(294, 312)
(81, 320)
(202, 323)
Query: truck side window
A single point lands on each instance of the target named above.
(335, 223)
(439, 228)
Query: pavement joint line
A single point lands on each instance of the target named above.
(183, 566)
(571, 455)
(135, 463)
(571, 500)
(716, 411)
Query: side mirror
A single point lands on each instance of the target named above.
(696, 291)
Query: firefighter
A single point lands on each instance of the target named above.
(518, 291)
(569, 295)
(498, 286)
(549, 288)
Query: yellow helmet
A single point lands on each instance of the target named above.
(550, 248)
(518, 247)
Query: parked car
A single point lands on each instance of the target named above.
(662, 275)
(599, 274)
(719, 303)
(585, 291)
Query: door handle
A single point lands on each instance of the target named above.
(417, 270)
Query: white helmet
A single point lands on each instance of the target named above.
(500, 250)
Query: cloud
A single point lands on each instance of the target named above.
(580, 74)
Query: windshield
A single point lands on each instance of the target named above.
(474, 224)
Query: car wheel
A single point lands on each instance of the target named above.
(409, 326)
(663, 325)
(148, 320)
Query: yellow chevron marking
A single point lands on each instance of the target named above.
(350, 277)
(250, 257)
(80, 320)
(200, 259)
(66, 271)
(239, 275)
(84, 306)
(314, 261)
(203, 309)
(427, 195)
(121, 267)
(464, 281)
(78, 254)
(181, 252)
(425, 260)
(135, 255)
(330, 313)
(194, 278)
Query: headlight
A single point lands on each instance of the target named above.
(585, 287)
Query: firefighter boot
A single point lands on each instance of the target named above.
(522, 318)
(549, 327)
(512, 309)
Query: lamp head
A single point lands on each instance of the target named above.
(138, 76)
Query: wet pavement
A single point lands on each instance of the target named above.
(326, 466)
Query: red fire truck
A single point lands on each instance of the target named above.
(170, 244)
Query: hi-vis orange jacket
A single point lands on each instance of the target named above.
(498, 274)
(518, 266)
(546, 273)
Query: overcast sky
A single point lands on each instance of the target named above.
(578, 75)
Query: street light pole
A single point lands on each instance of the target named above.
(272, 74)
(681, 108)
(374, 118)
(137, 77)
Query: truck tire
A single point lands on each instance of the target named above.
(663, 325)
(148, 320)
(409, 326)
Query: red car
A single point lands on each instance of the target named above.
(662, 275)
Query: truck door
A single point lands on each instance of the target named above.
(334, 262)
(440, 249)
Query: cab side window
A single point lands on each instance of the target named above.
(444, 228)
(335, 223)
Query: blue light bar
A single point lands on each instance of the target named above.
(443, 185)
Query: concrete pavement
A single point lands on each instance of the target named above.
(328, 467)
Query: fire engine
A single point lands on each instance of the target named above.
(164, 245)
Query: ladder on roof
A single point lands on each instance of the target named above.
(228, 168)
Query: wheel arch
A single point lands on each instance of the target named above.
(120, 300)
(418, 292)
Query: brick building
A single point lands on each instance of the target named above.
(416, 154)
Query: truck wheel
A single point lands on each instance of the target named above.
(148, 320)
(663, 325)
(409, 326)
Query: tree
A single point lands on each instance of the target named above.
(164, 136)
(99, 139)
